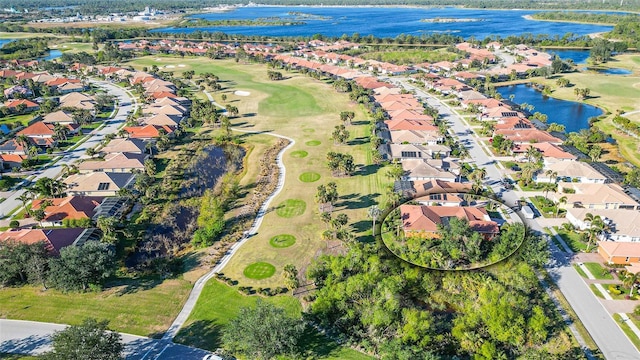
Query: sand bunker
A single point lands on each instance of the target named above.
(181, 65)
(242, 93)
(170, 66)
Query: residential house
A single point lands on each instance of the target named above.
(571, 171)
(162, 120)
(424, 169)
(550, 152)
(67, 208)
(98, 183)
(416, 137)
(10, 161)
(115, 163)
(60, 117)
(78, 101)
(594, 196)
(21, 105)
(148, 132)
(531, 135)
(124, 145)
(18, 91)
(623, 225)
(424, 220)
(619, 253)
(11, 146)
(413, 151)
(53, 239)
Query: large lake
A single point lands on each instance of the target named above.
(573, 115)
(391, 22)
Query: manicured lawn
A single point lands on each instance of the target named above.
(598, 271)
(573, 239)
(627, 330)
(313, 143)
(259, 270)
(282, 241)
(299, 154)
(219, 303)
(290, 208)
(547, 207)
(580, 271)
(141, 307)
(366, 187)
(309, 177)
(22, 119)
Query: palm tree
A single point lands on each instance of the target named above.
(548, 187)
(531, 153)
(33, 151)
(25, 197)
(373, 213)
(630, 281)
(562, 200)
(596, 227)
(23, 140)
(551, 174)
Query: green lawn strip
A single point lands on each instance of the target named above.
(259, 270)
(219, 303)
(627, 330)
(282, 241)
(142, 307)
(596, 291)
(22, 119)
(598, 271)
(542, 204)
(309, 177)
(578, 268)
(572, 239)
(291, 208)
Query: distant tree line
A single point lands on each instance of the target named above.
(88, 7)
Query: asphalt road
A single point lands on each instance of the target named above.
(126, 103)
(33, 338)
(613, 343)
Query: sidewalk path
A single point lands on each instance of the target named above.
(197, 289)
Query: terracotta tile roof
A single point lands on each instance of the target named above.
(14, 103)
(147, 131)
(420, 218)
(12, 158)
(54, 239)
(72, 207)
(38, 129)
(620, 249)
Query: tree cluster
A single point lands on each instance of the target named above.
(77, 268)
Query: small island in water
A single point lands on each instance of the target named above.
(450, 20)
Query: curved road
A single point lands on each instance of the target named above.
(199, 285)
(126, 103)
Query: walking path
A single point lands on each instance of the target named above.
(197, 289)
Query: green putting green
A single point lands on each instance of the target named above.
(313, 143)
(282, 241)
(308, 131)
(299, 154)
(309, 177)
(290, 208)
(259, 270)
